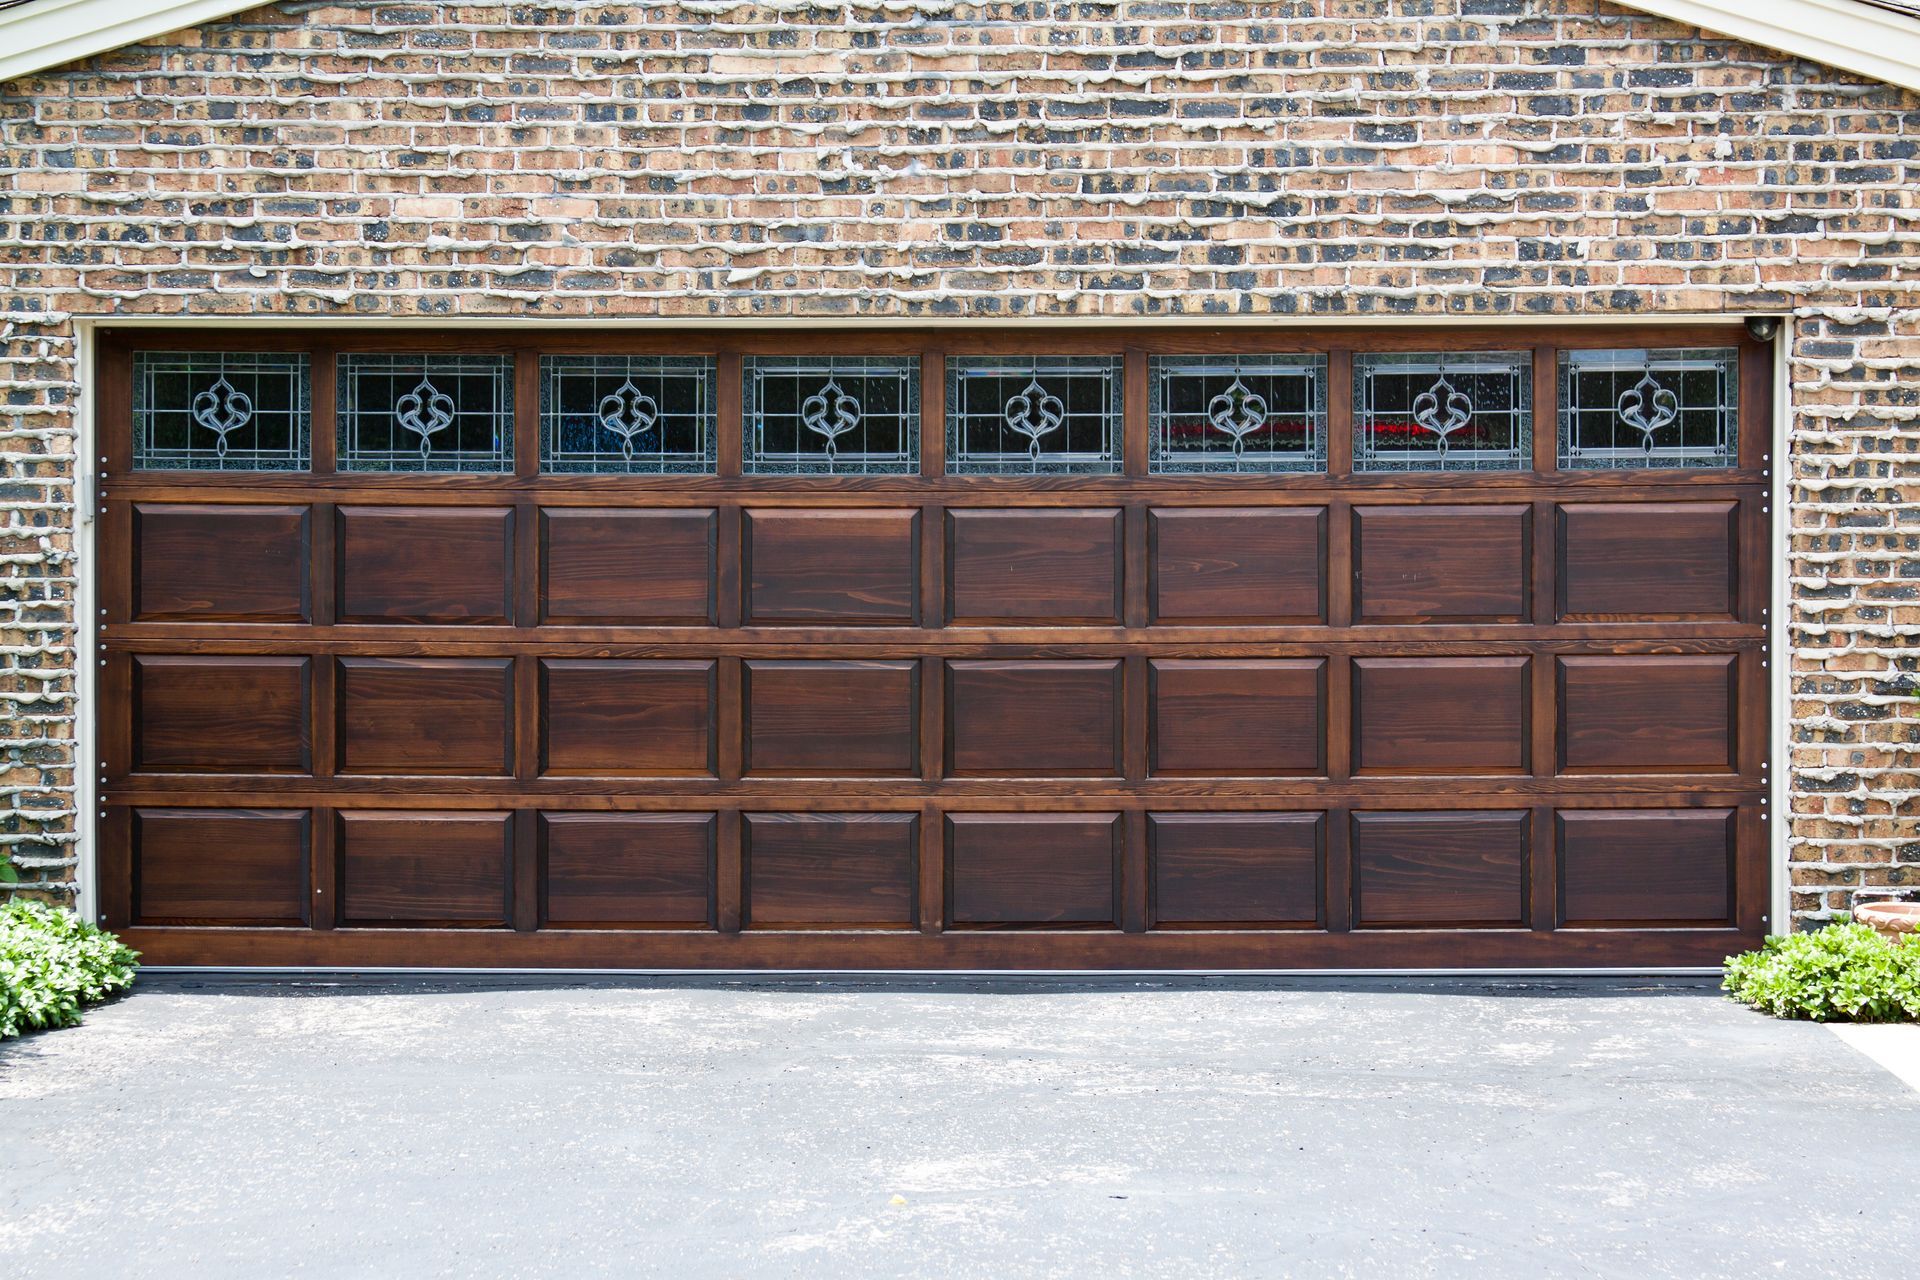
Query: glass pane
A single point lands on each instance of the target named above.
(426, 413)
(1467, 412)
(631, 414)
(1238, 414)
(1649, 408)
(217, 411)
(835, 415)
(1028, 415)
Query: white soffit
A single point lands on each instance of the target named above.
(1860, 36)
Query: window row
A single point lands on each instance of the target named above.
(860, 415)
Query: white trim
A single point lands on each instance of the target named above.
(600, 324)
(1861, 38)
(1779, 639)
(48, 33)
(1865, 39)
(86, 753)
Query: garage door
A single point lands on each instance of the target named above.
(950, 648)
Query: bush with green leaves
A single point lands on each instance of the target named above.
(1843, 973)
(52, 963)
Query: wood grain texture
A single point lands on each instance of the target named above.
(1238, 564)
(1240, 869)
(1647, 560)
(1016, 565)
(832, 719)
(628, 870)
(1237, 718)
(450, 869)
(1440, 715)
(1461, 870)
(213, 714)
(1055, 869)
(1646, 866)
(219, 562)
(853, 565)
(1056, 718)
(425, 564)
(612, 565)
(426, 715)
(808, 870)
(634, 719)
(1441, 563)
(220, 866)
(1648, 713)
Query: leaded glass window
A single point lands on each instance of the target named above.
(1026, 415)
(218, 411)
(628, 414)
(426, 413)
(1642, 408)
(1471, 411)
(832, 415)
(1238, 413)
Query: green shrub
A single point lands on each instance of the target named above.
(51, 963)
(1842, 973)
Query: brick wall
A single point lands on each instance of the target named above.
(929, 158)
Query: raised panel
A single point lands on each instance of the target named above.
(836, 719)
(1646, 866)
(1058, 869)
(824, 869)
(1237, 717)
(220, 714)
(404, 867)
(1228, 565)
(1441, 563)
(1214, 869)
(1044, 717)
(221, 866)
(426, 715)
(426, 564)
(1647, 560)
(852, 566)
(1465, 869)
(627, 567)
(1650, 713)
(1034, 566)
(217, 563)
(617, 718)
(1440, 715)
(628, 869)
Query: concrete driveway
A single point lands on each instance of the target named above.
(211, 1128)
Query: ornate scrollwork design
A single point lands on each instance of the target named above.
(222, 409)
(830, 412)
(425, 410)
(628, 412)
(1034, 413)
(1442, 409)
(1238, 412)
(1647, 406)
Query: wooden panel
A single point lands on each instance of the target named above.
(606, 565)
(1463, 868)
(1646, 866)
(1238, 564)
(220, 866)
(628, 719)
(425, 564)
(219, 714)
(855, 565)
(421, 867)
(1441, 563)
(1647, 560)
(1041, 717)
(215, 563)
(815, 869)
(1212, 869)
(836, 719)
(1440, 715)
(633, 869)
(1034, 566)
(1033, 868)
(426, 715)
(1648, 713)
(1238, 717)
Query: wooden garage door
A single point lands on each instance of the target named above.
(918, 649)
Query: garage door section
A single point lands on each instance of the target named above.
(905, 649)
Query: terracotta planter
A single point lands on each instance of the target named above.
(1893, 920)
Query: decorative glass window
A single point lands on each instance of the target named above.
(1028, 415)
(832, 415)
(1470, 411)
(1238, 413)
(210, 411)
(635, 414)
(1649, 408)
(426, 413)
